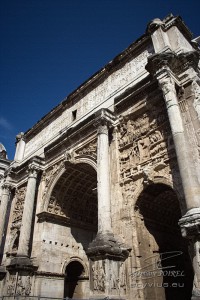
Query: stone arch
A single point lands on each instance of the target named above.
(160, 180)
(75, 258)
(73, 191)
(76, 284)
(61, 170)
(157, 212)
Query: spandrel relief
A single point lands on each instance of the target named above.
(88, 150)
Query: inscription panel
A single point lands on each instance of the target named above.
(110, 87)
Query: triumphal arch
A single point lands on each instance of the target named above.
(102, 200)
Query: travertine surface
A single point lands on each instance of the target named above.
(103, 195)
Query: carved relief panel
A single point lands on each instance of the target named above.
(144, 140)
(109, 277)
(88, 150)
(18, 284)
(18, 201)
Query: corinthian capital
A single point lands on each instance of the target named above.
(6, 188)
(159, 61)
(33, 170)
(102, 129)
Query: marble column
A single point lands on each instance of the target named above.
(25, 233)
(162, 66)
(20, 147)
(187, 169)
(106, 252)
(103, 179)
(5, 197)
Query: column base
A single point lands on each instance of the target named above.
(190, 223)
(196, 294)
(22, 263)
(105, 245)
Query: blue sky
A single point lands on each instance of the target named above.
(49, 47)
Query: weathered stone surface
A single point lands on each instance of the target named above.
(100, 190)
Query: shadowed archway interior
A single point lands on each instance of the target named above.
(162, 249)
(73, 287)
(74, 196)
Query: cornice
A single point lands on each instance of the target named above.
(79, 132)
(170, 61)
(90, 84)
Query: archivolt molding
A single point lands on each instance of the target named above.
(77, 259)
(49, 178)
(80, 156)
(159, 180)
(159, 174)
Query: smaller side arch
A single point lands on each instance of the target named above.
(72, 259)
(76, 284)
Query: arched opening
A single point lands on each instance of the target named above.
(74, 196)
(165, 271)
(74, 280)
(72, 224)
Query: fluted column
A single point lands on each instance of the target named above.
(25, 233)
(187, 170)
(103, 179)
(105, 243)
(5, 197)
(162, 66)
